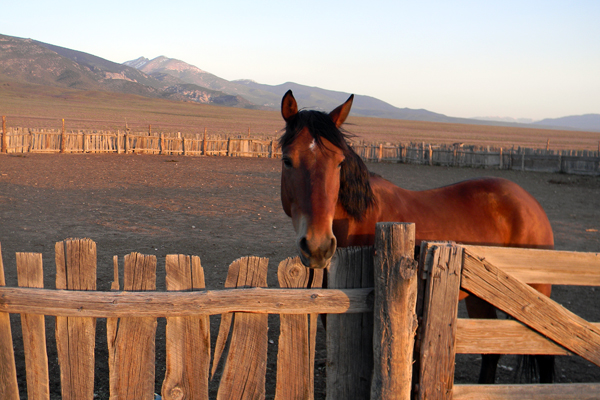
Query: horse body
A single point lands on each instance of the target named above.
(488, 211)
(334, 201)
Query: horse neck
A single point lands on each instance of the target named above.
(350, 231)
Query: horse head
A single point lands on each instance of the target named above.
(316, 159)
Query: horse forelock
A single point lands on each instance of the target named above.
(355, 194)
(319, 125)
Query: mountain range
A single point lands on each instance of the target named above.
(27, 60)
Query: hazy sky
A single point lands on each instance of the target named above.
(523, 59)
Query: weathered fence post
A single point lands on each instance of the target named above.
(430, 154)
(9, 388)
(188, 338)
(63, 139)
(134, 378)
(162, 143)
(5, 136)
(395, 320)
(75, 336)
(119, 150)
(85, 142)
(204, 143)
(501, 159)
(349, 365)
(297, 338)
(30, 274)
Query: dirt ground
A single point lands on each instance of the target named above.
(223, 208)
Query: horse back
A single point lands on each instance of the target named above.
(486, 211)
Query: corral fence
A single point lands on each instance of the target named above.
(392, 327)
(582, 162)
(24, 140)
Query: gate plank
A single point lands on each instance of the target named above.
(9, 389)
(530, 307)
(297, 338)
(436, 375)
(246, 365)
(543, 266)
(557, 391)
(131, 362)
(30, 274)
(188, 338)
(481, 336)
(76, 336)
(350, 336)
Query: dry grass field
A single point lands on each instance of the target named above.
(35, 106)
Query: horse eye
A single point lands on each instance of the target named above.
(287, 162)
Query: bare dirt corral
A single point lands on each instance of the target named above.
(223, 208)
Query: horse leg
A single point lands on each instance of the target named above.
(545, 363)
(477, 308)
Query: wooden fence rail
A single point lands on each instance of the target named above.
(23, 140)
(378, 301)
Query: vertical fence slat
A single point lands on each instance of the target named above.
(30, 274)
(188, 338)
(438, 331)
(296, 346)
(395, 321)
(76, 336)
(246, 364)
(350, 336)
(8, 373)
(131, 362)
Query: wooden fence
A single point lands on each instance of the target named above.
(377, 302)
(583, 162)
(22, 140)
(19, 140)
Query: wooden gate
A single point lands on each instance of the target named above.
(500, 276)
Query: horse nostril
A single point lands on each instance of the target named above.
(332, 247)
(303, 244)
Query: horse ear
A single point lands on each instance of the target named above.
(289, 107)
(340, 114)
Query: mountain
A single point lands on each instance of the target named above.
(366, 106)
(31, 61)
(163, 68)
(586, 122)
(269, 96)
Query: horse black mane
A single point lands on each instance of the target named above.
(355, 194)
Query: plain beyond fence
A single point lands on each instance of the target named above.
(24, 140)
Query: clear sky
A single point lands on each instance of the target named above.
(522, 59)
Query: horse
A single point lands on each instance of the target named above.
(334, 201)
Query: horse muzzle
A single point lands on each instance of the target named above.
(317, 254)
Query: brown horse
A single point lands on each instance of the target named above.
(334, 201)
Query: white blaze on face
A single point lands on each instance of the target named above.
(313, 145)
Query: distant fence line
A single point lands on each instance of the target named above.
(26, 140)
